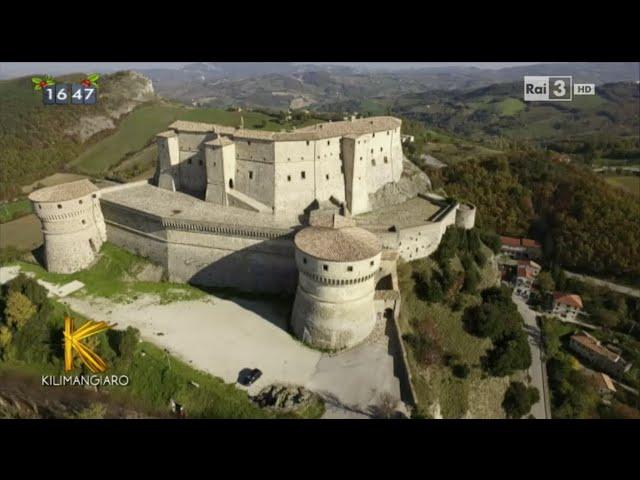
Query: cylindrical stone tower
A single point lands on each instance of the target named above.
(337, 263)
(466, 216)
(72, 224)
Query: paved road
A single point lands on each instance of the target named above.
(634, 292)
(537, 370)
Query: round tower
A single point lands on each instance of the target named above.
(72, 224)
(337, 263)
(466, 216)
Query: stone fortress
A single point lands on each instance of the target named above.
(322, 211)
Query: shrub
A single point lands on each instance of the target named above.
(518, 399)
(461, 370)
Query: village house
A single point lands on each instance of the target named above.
(520, 247)
(526, 273)
(601, 357)
(566, 306)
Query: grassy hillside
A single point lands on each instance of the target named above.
(38, 140)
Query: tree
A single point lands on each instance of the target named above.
(18, 310)
(545, 283)
(510, 353)
(471, 280)
(127, 345)
(518, 399)
(5, 337)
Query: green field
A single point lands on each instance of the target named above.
(628, 183)
(509, 106)
(12, 210)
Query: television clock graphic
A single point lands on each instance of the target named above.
(82, 93)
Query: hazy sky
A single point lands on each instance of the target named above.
(16, 69)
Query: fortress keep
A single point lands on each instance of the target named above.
(266, 212)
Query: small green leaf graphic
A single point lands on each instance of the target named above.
(36, 80)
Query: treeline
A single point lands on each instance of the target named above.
(582, 222)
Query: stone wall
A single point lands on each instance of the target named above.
(249, 259)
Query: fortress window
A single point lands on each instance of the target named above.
(189, 161)
(80, 202)
(288, 178)
(214, 164)
(361, 158)
(349, 268)
(372, 150)
(59, 206)
(304, 260)
(388, 132)
(307, 143)
(386, 160)
(84, 221)
(303, 175)
(325, 268)
(328, 142)
(327, 176)
(380, 148)
(250, 174)
(94, 195)
(248, 142)
(373, 162)
(231, 183)
(371, 263)
(374, 133)
(200, 162)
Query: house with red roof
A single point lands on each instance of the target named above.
(566, 306)
(590, 348)
(520, 247)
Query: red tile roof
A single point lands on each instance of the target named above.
(567, 299)
(593, 345)
(527, 242)
(510, 241)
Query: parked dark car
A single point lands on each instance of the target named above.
(248, 376)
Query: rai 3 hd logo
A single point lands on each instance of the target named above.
(554, 89)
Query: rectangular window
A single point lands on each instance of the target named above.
(386, 160)
(250, 174)
(373, 162)
(307, 142)
(325, 267)
(288, 178)
(303, 175)
(327, 176)
(350, 269)
(328, 142)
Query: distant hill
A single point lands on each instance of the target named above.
(339, 88)
(36, 140)
(499, 111)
